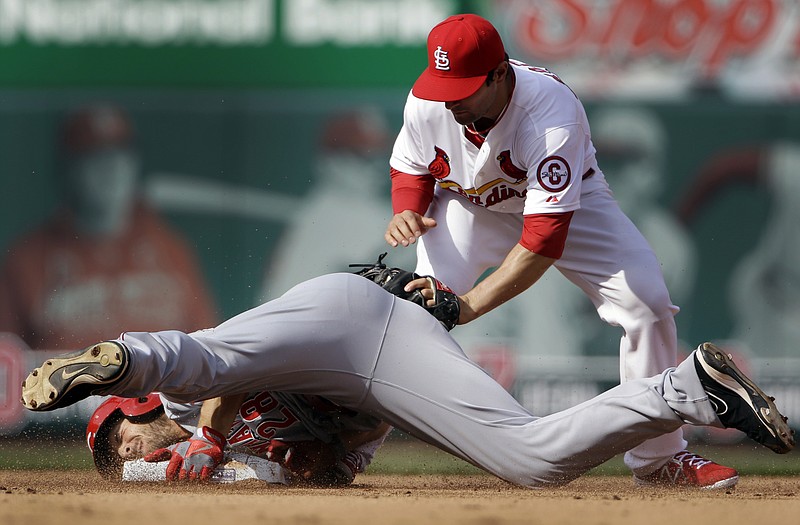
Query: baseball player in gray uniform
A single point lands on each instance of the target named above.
(344, 338)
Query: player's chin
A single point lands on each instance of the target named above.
(463, 117)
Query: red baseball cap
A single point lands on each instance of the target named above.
(461, 51)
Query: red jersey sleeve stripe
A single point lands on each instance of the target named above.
(546, 233)
(411, 192)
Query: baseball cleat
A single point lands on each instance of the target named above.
(62, 381)
(685, 469)
(739, 403)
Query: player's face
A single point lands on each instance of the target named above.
(136, 440)
(487, 102)
(468, 110)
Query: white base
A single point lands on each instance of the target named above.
(237, 467)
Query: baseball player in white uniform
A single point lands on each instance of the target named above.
(494, 167)
(312, 440)
(349, 340)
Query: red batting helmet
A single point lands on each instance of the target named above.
(137, 409)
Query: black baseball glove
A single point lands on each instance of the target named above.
(445, 305)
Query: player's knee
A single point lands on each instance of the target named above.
(656, 304)
(647, 297)
(637, 309)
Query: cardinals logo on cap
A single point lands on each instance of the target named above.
(441, 60)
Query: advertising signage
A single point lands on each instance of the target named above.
(661, 49)
(215, 43)
(648, 49)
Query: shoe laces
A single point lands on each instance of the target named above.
(693, 460)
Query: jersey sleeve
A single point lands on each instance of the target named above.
(546, 233)
(555, 165)
(184, 414)
(411, 192)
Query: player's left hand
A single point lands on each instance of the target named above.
(439, 299)
(308, 460)
(427, 291)
(426, 286)
(193, 459)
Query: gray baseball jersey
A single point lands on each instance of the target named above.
(266, 416)
(343, 337)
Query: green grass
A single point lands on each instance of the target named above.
(40, 454)
(400, 455)
(408, 456)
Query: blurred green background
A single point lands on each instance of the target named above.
(231, 101)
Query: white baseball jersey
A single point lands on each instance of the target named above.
(534, 160)
(344, 338)
(538, 158)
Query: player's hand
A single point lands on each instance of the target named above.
(442, 302)
(304, 459)
(425, 285)
(193, 459)
(406, 227)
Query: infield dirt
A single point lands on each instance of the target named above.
(83, 497)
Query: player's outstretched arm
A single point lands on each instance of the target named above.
(219, 412)
(518, 272)
(406, 227)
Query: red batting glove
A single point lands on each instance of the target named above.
(193, 459)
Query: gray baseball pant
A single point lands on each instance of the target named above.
(343, 337)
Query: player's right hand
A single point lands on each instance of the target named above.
(193, 459)
(406, 227)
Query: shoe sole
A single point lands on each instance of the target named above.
(718, 365)
(64, 380)
(721, 484)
